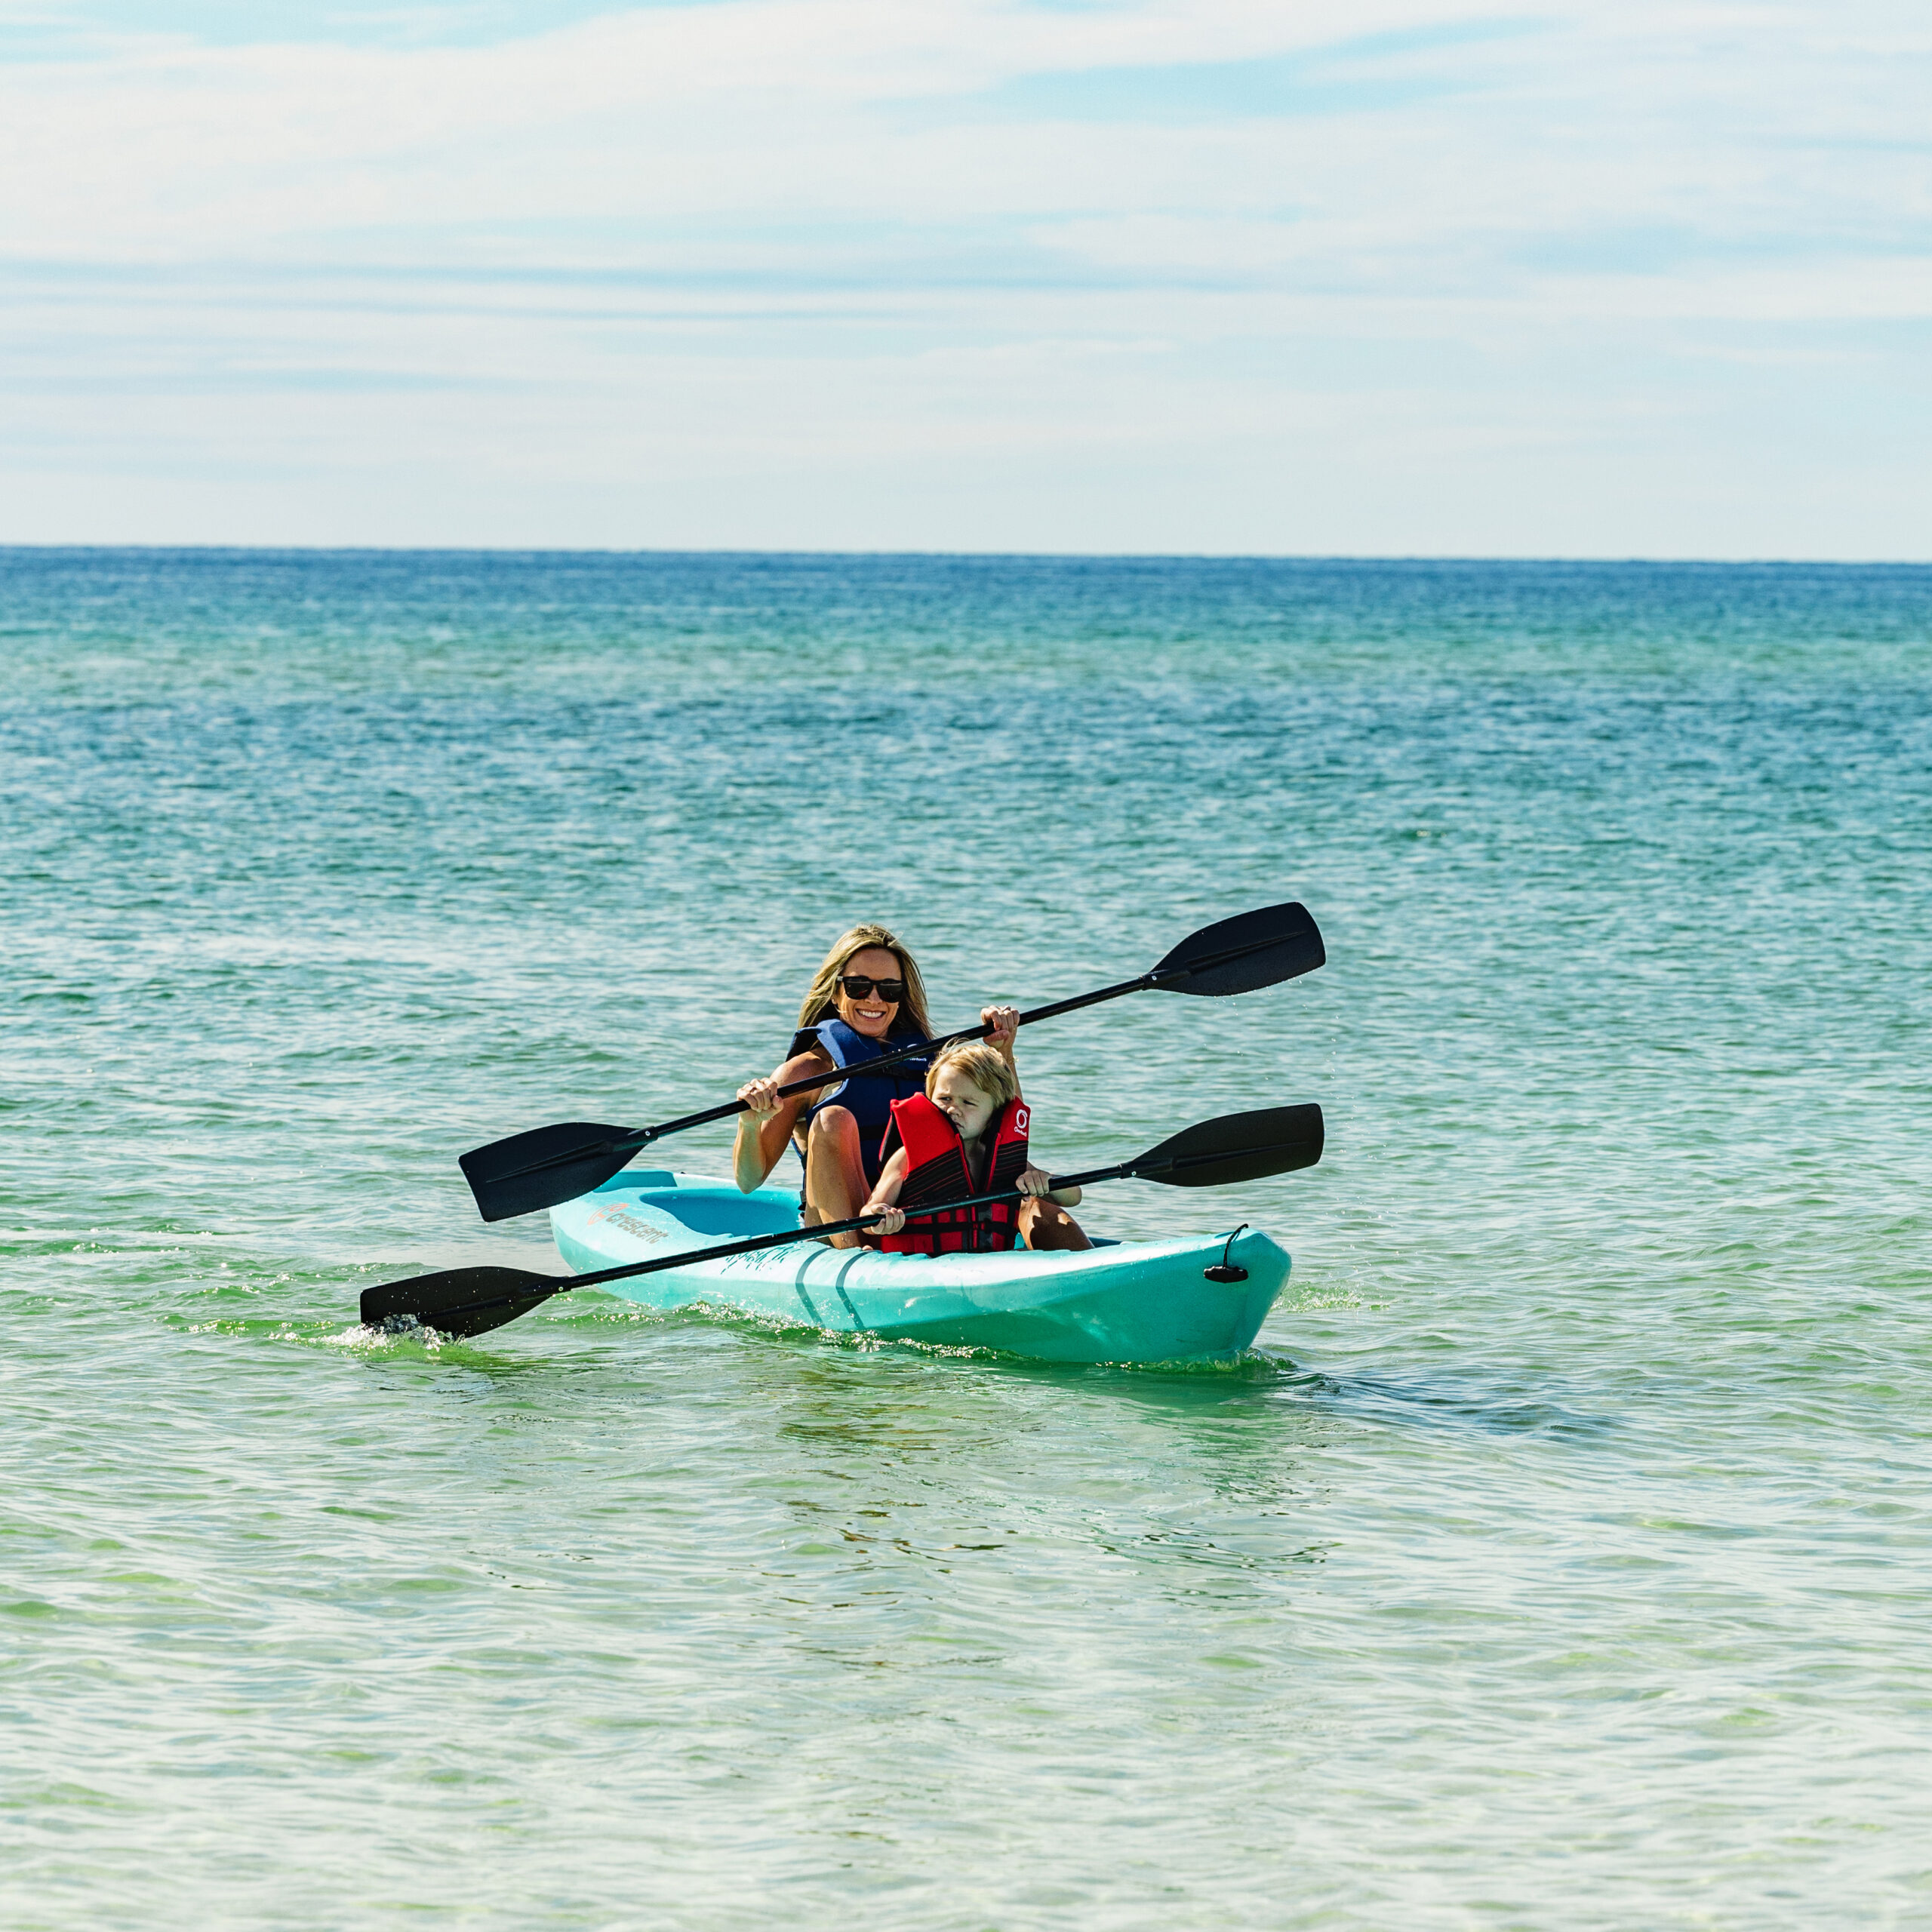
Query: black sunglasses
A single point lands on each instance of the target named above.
(857, 986)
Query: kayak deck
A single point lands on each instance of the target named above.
(1118, 1302)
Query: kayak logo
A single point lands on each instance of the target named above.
(1021, 1118)
(630, 1224)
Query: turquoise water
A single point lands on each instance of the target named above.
(1560, 1557)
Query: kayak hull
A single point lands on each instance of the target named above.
(1119, 1302)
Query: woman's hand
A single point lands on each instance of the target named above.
(890, 1219)
(1004, 1020)
(1034, 1182)
(761, 1097)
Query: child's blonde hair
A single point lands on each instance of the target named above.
(989, 1071)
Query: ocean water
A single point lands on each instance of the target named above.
(1561, 1556)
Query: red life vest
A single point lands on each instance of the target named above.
(937, 1171)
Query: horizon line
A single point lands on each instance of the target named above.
(735, 551)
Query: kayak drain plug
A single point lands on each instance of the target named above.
(1222, 1270)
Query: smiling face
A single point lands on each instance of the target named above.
(871, 1016)
(969, 1107)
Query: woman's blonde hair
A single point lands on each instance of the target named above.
(988, 1070)
(821, 1000)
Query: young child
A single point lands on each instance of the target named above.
(967, 1135)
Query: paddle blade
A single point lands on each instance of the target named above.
(544, 1166)
(1243, 954)
(460, 1301)
(1237, 1147)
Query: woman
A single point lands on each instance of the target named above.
(866, 999)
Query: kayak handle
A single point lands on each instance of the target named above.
(1223, 1270)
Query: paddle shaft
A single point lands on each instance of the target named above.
(1143, 1169)
(756, 1241)
(683, 1259)
(1273, 1140)
(535, 1169)
(644, 1136)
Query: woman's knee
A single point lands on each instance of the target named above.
(832, 1125)
(1045, 1224)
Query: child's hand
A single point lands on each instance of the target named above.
(890, 1219)
(1034, 1182)
(1004, 1020)
(761, 1097)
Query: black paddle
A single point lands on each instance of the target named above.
(1237, 1147)
(548, 1164)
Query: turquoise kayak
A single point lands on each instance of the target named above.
(1118, 1302)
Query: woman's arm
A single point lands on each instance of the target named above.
(891, 1179)
(1004, 1020)
(767, 1122)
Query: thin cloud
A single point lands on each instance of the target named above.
(842, 225)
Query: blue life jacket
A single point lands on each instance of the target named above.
(867, 1097)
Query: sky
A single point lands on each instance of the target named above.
(1253, 277)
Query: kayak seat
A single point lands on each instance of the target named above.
(724, 1211)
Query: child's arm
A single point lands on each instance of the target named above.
(892, 1178)
(1033, 1183)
